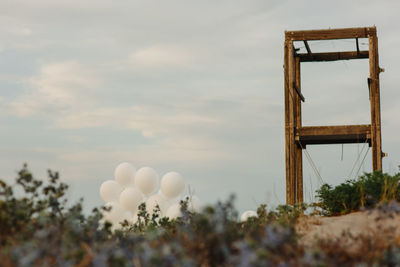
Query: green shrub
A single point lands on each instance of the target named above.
(39, 228)
(368, 190)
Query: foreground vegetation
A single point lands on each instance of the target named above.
(367, 191)
(39, 228)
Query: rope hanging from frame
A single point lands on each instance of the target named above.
(312, 164)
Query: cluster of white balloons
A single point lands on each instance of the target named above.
(132, 187)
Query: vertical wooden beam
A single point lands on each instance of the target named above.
(376, 141)
(298, 149)
(289, 67)
(378, 107)
(292, 110)
(372, 101)
(287, 149)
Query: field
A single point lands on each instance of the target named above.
(354, 223)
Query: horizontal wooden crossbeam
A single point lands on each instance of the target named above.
(329, 34)
(319, 135)
(332, 56)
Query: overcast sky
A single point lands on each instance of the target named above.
(190, 86)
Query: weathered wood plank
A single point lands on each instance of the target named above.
(377, 107)
(335, 129)
(292, 158)
(298, 149)
(372, 63)
(375, 104)
(328, 34)
(342, 134)
(333, 56)
(287, 132)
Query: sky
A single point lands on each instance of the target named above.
(189, 86)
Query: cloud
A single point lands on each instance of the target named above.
(158, 56)
(14, 28)
(150, 120)
(58, 87)
(173, 136)
(22, 31)
(65, 93)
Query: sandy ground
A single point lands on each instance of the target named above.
(349, 228)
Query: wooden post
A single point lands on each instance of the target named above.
(298, 149)
(287, 122)
(375, 103)
(292, 123)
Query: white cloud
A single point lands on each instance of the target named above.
(57, 87)
(161, 56)
(64, 93)
(23, 31)
(63, 80)
(14, 29)
(153, 155)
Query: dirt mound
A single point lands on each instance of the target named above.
(351, 228)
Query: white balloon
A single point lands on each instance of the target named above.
(130, 199)
(172, 184)
(146, 180)
(194, 204)
(247, 214)
(127, 216)
(168, 202)
(124, 174)
(174, 211)
(155, 200)
(162, 195)
(110, 190)
(172, 201)
(115, 215)
(134, 218)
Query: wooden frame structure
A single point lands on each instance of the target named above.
(297, 136)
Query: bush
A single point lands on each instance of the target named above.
(366, 191)
(40, 229)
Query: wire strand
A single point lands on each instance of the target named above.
(312, 164)
(362, 162)
(358, 158)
